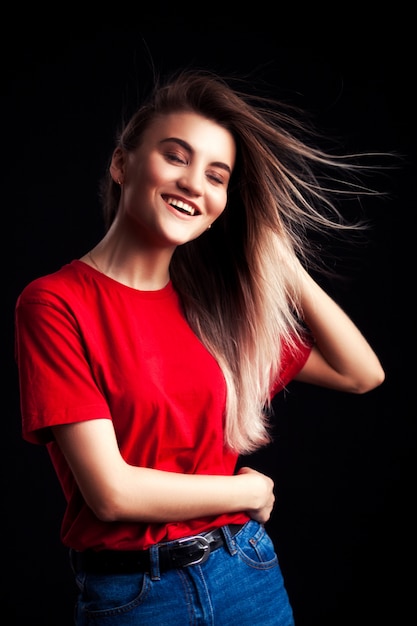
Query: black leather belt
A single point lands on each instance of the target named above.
(183, 552)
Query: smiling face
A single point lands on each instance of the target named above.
(175, 183)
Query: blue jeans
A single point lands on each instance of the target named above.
(240, 584)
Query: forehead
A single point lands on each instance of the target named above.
(202, 134)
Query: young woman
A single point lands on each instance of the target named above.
(148, 365)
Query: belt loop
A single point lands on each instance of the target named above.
(229, 540)
(71, 554)
(154, 562)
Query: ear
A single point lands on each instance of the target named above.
(117, 166)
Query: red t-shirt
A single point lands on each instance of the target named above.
(90, 347)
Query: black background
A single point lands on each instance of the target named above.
(344, 465)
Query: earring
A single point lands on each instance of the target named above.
(119, 182)
(208, 227)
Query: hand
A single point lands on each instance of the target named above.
(261, 492)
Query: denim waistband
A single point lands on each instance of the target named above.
(183, 552)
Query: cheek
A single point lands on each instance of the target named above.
(147, 172)
(218, 204)
(151, 173)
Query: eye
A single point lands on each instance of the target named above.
(176, 157)
(216, 178)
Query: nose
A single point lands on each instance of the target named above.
(191, 181)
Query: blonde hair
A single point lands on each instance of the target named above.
(239, 282)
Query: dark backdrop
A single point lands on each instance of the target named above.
(343, 465)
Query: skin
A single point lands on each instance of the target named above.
(188, 158)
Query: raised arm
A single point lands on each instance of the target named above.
(341, 358)
(117, 491)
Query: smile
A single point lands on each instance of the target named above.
(183, 207)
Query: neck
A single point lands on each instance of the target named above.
(125, 255)
(145, 272)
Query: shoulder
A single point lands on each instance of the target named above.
(55, 286)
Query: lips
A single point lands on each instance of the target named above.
(181, 206)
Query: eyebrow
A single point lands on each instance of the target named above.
(186, 146)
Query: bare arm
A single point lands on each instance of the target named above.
(341, 359)
(118, 491)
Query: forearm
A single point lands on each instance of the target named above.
(117, 491)
(339, 340)
(157, 496)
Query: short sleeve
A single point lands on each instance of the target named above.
(293, 359)
(55, 378)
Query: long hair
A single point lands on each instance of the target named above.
(239, 282)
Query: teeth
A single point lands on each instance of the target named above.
(182, 206)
